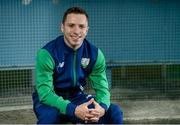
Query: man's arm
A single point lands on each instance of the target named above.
(44, 84)
(99, 81)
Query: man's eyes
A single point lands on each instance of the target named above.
(81, 26)
(73, 25)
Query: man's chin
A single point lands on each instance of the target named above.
(76, 43)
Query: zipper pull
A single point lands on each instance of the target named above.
(82, 88)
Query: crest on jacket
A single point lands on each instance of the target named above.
(60, 65)
(85, 62)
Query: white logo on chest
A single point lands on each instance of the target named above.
(61, 64)
(85, 62)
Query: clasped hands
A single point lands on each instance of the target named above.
(89, 115)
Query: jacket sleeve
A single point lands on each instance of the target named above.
(99, 81)
(44, 84)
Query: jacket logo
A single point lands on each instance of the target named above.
(60, 65)
(85, 62)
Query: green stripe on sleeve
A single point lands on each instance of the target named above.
(44, 82)
(99, 81)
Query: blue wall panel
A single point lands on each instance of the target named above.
(125, 30)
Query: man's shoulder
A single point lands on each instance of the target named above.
(91, 46)
(53, 43)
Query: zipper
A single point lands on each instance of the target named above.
(75, 53)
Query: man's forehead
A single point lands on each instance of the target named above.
(81, 18)
(76, 14)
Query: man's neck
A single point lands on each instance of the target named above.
(72, 47)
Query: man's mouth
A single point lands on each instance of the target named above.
(75, 37)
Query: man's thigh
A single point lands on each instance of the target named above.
(114, 115)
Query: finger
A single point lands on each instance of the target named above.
(95, 103)
(90, 101)
(91, 120)
(88, 116)
(94, 119)
(86, 119)
(94, 112)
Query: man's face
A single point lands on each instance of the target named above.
(75, 29)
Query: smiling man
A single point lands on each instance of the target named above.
(62, 68)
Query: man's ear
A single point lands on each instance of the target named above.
(87, 30)
(62, 28)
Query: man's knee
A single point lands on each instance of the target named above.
(48, 116)
(116, 114)
(115, 109)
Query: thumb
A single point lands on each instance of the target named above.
(95, 103)
(90, 101)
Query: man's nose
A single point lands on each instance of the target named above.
(77, 30)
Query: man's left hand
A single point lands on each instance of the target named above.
(97, 113)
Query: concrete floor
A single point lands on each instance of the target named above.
(164, 111)
(135, 112)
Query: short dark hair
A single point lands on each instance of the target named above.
(75, 10)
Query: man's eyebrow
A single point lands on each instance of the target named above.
(70, 23)
(73, 23)
(82, 24)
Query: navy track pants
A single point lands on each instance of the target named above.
(50, 115)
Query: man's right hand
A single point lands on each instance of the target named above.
(82, 110)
